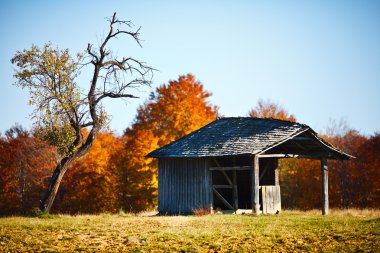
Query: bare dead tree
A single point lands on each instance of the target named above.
(61, 109)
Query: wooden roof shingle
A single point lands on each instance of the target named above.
(236, 136)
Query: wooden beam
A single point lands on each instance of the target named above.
(288, 156)
(216, 162)
(325, 187)
(264, 199)
(223, 186)
(222, 199)
(255, 186)
(232, 168)
(226, 176)
(301, 138)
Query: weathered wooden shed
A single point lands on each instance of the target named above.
(231, 164)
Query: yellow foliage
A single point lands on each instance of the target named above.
(93, 182)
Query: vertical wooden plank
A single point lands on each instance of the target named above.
(271, 194)
(255, 186)
(325, 187)
(159, 170)
(269, 199)
(187, 179)
(235, 189)
(162, 186)
(205, 185)
(263, 198)
(278, 198)
(178, 189)
(210, 190)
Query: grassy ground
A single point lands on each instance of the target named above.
(349, 231)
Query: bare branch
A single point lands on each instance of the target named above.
(114, 95)
(87, 124)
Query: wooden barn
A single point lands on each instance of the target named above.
(231, 164)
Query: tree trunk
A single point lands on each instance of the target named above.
(60, 170)
(55, 181)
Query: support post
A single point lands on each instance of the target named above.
(325, 187)
(276, 173)
(255, 186)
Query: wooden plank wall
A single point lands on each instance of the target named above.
(271, 199)
(183, 185)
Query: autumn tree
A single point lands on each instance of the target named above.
(356, 181)
(173, 110)
(92, 185)
(62, 107)
(268, 109)
(25, 165)
(368, 181)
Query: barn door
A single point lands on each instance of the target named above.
(224, 188)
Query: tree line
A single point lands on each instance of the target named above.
(115, 174)
(69, 121)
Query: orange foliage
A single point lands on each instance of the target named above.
(173, 111)
(270, 110)
(176, 109)
(92, 184)
(116, 175)
(139, 184)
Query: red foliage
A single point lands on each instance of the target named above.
(25, 166)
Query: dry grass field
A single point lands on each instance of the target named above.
(290, 231)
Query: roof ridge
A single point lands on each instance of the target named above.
(262, 118)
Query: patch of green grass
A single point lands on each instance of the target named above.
(290, 231)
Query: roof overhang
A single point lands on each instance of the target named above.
(304, 144)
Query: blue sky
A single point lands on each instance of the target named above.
(320, 60)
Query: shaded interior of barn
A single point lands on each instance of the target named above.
(223, 179)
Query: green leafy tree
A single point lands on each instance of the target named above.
(62, 108)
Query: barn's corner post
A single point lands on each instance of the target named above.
(325, 187)
(255, 186)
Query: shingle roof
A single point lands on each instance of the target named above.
(233, 136)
